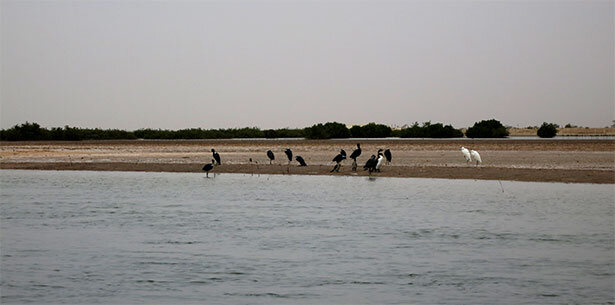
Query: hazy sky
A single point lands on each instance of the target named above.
(169, 64)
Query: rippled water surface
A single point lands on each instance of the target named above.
(121, 237)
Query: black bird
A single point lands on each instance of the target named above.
(270, 155)
(289, 154)
(216, 156)
(355, 154)
(387, 155)
(338, 159)
(208, 167)
(300, 160)
(370, 165)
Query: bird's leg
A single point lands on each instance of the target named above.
(354, 165)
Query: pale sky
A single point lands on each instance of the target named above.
(209, 64)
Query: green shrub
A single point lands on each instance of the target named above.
(371, 130)
(326, 131)
(487, 129)
(547, 130)
(429, 130)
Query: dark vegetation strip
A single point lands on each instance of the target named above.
(332, 130)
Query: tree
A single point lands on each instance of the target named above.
(547, 130)
(371, 130)
(337, 130)
(24, 132)
(429, 130)
(327, 131)
(487, 129)
(317, 131)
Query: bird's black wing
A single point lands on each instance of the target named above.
(387, 154)
(338, 158)
(370, 163)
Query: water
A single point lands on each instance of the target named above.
(160, 238)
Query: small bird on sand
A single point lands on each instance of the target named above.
(476, 157)
(289, 154)
(338, 161)
(379, 160)
(388, 156)
(370, 165)
(216, 156)
(355, 154)
(300, 160)
(208, 167)
(466, 154)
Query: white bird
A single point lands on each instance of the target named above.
(476, 157)
(380, 159)
(466, 154)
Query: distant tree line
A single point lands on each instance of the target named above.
(34, 132)
(331, 130)
(429, 130)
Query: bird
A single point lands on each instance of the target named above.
(387, 154)
(370, 165)
(379, 160)
(216, 156)
(270, 155)
(208, 167)
(355, 154)
(466, 154)
(338, 159)
(476, 157)
(289, 154)
(300, 160)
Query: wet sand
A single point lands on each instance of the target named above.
(571, 161)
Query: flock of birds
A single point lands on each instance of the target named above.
(373, 164)
(469, 154)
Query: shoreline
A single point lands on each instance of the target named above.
(567, 161)
(449, 172)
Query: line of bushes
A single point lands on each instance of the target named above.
(33, 131)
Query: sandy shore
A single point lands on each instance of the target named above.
(574, 161)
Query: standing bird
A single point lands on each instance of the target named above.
(476, 157)
(289, 154)
(387, 154)
(338, 160)
(370, 165)
(355, 154)
(300, 160)
(466, 154)
(379, 160)
(208, 167)
(216, 156)
(270, 156)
